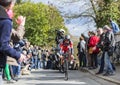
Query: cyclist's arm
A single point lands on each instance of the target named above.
(71, 47)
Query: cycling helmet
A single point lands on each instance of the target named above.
(62, 30)
(67, 37)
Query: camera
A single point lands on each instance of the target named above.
(20, 44)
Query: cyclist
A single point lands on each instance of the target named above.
(67, 46)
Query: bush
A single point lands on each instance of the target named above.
(41, 22)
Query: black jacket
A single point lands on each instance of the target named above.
(109, 40)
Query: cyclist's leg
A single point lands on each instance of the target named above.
(71, 58)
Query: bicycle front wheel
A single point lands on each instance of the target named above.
(66, 69)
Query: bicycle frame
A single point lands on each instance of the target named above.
(66, 55)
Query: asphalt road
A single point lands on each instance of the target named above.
(52, 77)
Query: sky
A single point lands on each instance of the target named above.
(75, 26)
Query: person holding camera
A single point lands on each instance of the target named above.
(60, 36)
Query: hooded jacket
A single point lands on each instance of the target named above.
(115, 27)
(5, 32)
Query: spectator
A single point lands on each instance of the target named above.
(7, 71)
(100, 46)
(82, 52)
(35, 56)
(43, 59)
(26, 64)
(109, 43)
(94, 50)
(18, 34)
(88, 53)
(6, 27)
(39, 58)
(16, 37)
(115, 26)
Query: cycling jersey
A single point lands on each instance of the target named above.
(66, 45)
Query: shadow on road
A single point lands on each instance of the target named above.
(45, 75)
(54, 77)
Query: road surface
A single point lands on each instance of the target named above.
(53, 77)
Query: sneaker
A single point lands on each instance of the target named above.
(16, 79)
(112, 73)
(11, 81)
(108, 74)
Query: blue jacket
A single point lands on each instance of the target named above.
(115, 27)
(5, 33)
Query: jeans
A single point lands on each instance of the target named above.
(108, 66)
(94, 60)
(35, 62)
(17, 69)
(102, 64)
(43, 64)
(39, 64)
(82, 59)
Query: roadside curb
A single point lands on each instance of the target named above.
(104, 77)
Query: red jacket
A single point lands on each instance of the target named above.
(93, 41)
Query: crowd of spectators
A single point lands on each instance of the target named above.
(96, 50)
(39, 59)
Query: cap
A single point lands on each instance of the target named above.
(106, 27)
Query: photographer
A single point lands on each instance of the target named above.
(60, 36)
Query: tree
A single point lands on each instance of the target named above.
(100, 11)
(103, 10)
(41, 22)
(108, 9)
(18, 1)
